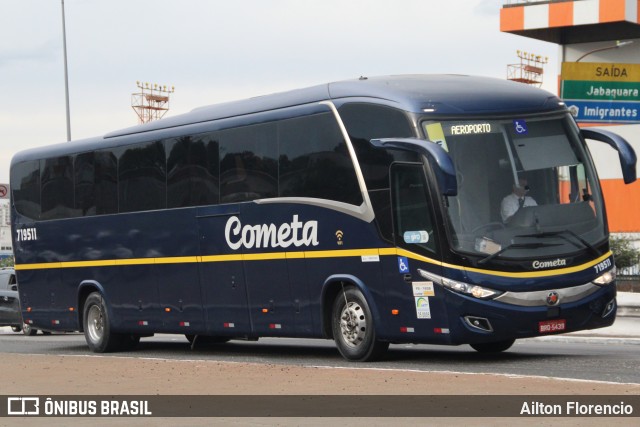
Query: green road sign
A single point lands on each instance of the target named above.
(600, 90)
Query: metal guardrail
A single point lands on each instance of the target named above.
(629, 273)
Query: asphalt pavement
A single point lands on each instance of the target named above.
(627, 324)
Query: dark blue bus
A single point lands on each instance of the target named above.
(369, 211)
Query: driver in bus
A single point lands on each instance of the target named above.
(518, 199)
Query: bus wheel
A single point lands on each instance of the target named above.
(353, 329)
(28, 330)
(16, 328)
(492, 347)
(97, 327)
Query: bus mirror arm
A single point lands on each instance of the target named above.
(626, 154)
(439, 159)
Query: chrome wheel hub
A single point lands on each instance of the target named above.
(353, 324)
(95, 323)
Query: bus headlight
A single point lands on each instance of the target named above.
(467, 289)
(475, 291)
(606, 278)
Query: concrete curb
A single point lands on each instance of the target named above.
(628, 311)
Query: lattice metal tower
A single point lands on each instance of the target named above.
(530, 70)
(152, 102)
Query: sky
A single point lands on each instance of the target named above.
(214, 51)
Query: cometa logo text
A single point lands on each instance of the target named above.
(549, 264)
(295, 233)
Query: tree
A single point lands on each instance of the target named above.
(625, 254)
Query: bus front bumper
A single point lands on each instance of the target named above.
(479, 321)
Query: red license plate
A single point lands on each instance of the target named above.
(549, 326)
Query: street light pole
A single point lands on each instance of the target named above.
(616, 46)
(66, 73)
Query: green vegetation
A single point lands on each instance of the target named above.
(7, 262)
(625, 254)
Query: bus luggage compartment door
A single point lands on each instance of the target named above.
(224, 292)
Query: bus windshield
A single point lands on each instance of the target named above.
(526, 187)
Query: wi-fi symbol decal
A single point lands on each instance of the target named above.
(339, 235)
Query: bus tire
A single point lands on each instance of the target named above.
(97, 326)
(28, 330)
(353, 327)
(492, 347)
(129, 342)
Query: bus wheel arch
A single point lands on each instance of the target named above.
(97, 325)
(85, 289)
(96, 322)
(330, 289)
(349, 318)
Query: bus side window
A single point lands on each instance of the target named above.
(193, 171)
(142, 177)
(248, 163)
(106, 182)
(314, 160)
(56, 183)
(25, 182)
(84, 182)
(365, 122)
(413, 225)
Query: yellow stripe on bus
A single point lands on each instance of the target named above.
(307, 255)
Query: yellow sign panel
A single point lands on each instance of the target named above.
(600, 71)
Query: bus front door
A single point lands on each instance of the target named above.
(411, 290)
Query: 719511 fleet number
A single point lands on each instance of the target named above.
(26, 234)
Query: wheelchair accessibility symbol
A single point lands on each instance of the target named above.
(403, 264)
(520, 127)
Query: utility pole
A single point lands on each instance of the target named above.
(66, 73)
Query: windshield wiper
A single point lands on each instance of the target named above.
(516, 246)
(560, 233)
